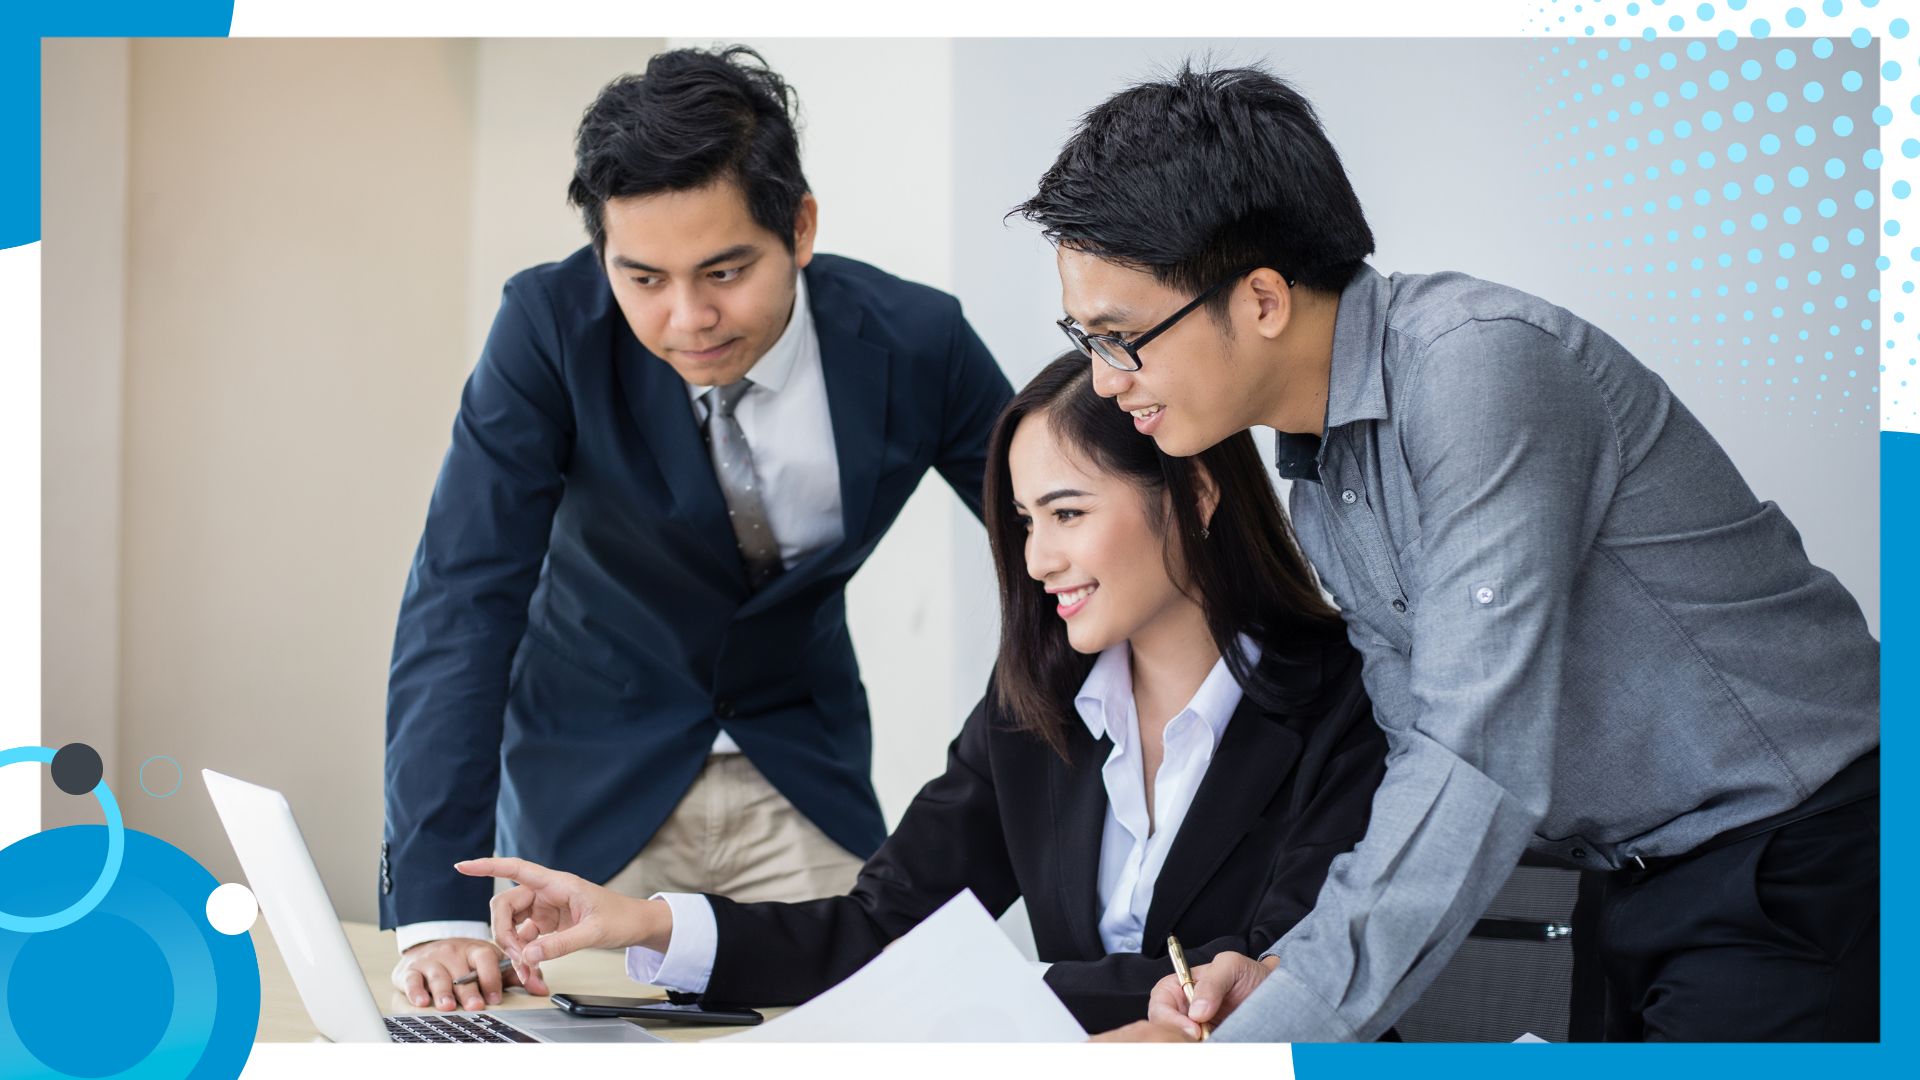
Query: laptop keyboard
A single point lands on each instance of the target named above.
(453, 1028)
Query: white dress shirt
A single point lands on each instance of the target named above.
(1131, 853)
(790, 433)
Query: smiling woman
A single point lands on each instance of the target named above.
(1130, 543)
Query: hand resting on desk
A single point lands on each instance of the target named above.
(550, 913)
(426, 974)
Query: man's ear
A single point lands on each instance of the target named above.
(806, 224)
(1273, 302)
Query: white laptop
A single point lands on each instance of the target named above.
(281, 873)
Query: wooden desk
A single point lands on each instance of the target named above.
(595, 971)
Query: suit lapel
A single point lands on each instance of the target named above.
(1253, 760)
(658, 399)
(856, 376)
(1079, 797)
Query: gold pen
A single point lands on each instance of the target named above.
(1186, 974)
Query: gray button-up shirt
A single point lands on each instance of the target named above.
(1582, 632)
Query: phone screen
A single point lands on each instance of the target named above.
(655, 1009)
(594, 1001)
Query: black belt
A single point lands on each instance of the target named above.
(1860, 780)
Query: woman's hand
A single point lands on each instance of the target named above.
(549, 914)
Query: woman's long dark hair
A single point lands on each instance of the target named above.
(1246, 572)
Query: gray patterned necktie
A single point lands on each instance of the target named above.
(733, 466)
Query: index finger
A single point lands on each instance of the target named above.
(505, 912)
(506, 867)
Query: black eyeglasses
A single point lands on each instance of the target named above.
(1125, 355)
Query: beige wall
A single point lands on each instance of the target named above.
(296, 252)
(83, 321)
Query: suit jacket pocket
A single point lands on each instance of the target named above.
(564, 660)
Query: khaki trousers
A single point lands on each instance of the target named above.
(735, 836)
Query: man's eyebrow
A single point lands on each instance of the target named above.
(1106, 318)
(625, 263)
(732, 254)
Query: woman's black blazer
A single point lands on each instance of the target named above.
(1284, 795)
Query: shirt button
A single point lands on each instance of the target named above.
(723, 708)
(1579, 853)
(1399, 607)
(1483, 595)
(1130, 944)
(1349, 497)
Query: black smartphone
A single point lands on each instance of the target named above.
(692, 1012)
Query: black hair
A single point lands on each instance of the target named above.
(1242, 567)
(692, 118)
(1202, 175)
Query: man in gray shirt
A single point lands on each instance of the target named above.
(1583, 634)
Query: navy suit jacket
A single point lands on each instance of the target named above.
(577, 626)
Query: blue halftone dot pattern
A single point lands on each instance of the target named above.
(1788, 124)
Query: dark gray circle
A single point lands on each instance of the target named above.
(76, 768)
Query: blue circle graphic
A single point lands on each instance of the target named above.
(55, 969)
(109, 869)
(185, 998)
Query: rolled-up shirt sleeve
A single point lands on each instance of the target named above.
(688, 962)
(1513, 458)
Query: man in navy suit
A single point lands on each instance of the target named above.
(623, 645)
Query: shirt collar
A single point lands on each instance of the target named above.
(1356, 387)
(771, 371)
(1106, 696)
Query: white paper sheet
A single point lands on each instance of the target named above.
(953, 978)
